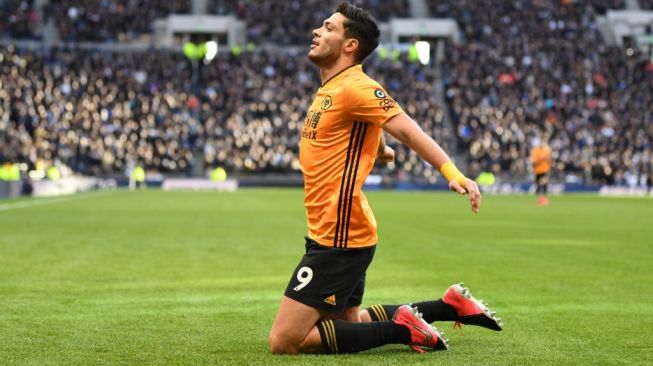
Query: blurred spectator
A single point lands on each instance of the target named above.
(291, 22)
(99, 111)
(646, 4)
(19, 19)
(540, 67)
(116, 20)
(267, 21)
(528, 68)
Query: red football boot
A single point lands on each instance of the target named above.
(422, 334)
(470, 311)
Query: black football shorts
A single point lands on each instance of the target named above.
(330, 279)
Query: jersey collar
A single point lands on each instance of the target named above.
(354, 67)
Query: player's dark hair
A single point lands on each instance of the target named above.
(361, 25)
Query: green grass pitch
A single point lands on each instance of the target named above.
(188, 278)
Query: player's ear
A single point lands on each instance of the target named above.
(351, 45)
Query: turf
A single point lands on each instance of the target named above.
(188, 278)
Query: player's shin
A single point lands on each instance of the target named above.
(339, 336)
(432, 311)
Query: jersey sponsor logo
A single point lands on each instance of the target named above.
(309, 134)
(331, 300)
(310, 124)
(327, 102)
(387, 104)
(379, 93)
(315, 119)
(312, 119)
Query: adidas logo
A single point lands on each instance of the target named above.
(331, 300)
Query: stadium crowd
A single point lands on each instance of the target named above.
(99, 112)
(646, 4)
(267, 21)
(520, 74)
(272, 22)
(19, 19)
(121, 20)
(126, 20)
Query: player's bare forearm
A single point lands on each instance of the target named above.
(406, 130)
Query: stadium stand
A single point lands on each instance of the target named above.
(97, 110)
(646, 4)
(272, 22)
(19, 19)
(122, 20)
(526, 68)
(267, 21)
(524, 73)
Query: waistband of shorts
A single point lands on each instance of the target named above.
(312, 242)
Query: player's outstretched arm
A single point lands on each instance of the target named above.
(406, 130)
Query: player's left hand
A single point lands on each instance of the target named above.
(387, 155)
(470, 188)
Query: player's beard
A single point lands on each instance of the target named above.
(321, 59)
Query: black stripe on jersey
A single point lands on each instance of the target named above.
(347, 185)
(342, 184)
(351, 189)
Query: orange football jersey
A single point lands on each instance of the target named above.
(338, 148)
(541, 159)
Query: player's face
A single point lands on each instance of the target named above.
(328, 40)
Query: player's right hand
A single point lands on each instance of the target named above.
(469, 187)
(387, 155)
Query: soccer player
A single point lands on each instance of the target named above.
(342, 137)
(541, 160)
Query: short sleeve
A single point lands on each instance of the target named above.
(370, 103)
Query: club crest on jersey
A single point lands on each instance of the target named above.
(379, 93)
(327, 102)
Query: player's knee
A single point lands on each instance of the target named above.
(352, 314)
(282, 345)
(364, 316)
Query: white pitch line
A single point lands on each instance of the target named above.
(30, 203)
